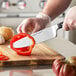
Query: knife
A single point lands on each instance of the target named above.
(40, 36)
(43, 35)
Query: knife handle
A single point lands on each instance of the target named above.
(60, 25)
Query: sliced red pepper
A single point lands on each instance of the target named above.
(25, 50)
(3, 57)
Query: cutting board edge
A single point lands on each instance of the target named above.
(26, 62)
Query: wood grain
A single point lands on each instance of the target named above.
(41, 54)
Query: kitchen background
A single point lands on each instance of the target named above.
(12, 13)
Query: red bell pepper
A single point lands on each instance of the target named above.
(3, 57)
(25, 50)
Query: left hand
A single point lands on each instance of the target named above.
(70, 19)
(32, 25)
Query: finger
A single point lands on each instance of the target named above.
(36, 28)
(71, 27)
(19, 29)
(26, 25)
(23, 28)
(70, 24)
(65, 26)
(74, 24)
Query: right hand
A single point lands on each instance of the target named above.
(70, 19)
(32, 25)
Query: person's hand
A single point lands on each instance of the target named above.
(70, 19)
(31, 25)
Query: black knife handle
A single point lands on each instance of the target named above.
(60, 25)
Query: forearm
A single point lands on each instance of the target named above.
(54, 8)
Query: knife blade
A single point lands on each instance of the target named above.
(40, 36)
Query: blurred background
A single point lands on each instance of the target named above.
(12, 13)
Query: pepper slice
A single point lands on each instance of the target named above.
(25, 50)
(3, 57)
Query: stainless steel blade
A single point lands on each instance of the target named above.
(43, 35)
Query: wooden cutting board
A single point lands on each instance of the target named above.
(41, 54)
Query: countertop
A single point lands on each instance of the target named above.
(56, 44)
